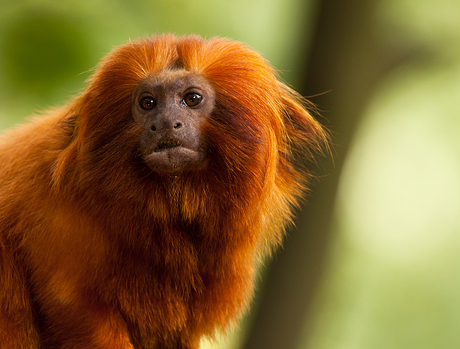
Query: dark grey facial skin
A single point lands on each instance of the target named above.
(171, 106)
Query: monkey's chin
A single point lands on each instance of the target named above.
(173, 161)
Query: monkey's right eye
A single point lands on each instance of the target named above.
(147, 103)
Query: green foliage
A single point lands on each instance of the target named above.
(42, 50)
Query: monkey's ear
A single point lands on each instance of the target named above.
(303, 130)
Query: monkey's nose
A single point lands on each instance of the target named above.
(166, 125)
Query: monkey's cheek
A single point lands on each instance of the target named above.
(175, 160)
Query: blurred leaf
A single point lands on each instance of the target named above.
(41, 49)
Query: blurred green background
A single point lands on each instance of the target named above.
(374, 260)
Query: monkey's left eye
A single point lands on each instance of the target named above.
(192, 99)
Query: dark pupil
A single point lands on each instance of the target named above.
(193, 99)
(147, 103)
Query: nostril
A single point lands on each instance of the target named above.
(177, 125)
(153, 128)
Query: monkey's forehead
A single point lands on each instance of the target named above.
(174, 75)
(174, 79)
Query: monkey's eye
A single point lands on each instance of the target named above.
(192, 99)
(147, 103)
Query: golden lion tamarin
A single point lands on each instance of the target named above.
(136, 215)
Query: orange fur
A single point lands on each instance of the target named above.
(98, 251)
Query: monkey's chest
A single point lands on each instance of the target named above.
(182, 303)
(162, 300)
(178, 287)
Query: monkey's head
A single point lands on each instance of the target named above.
(171, 106)
(192, 119)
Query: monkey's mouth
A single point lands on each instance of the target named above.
(171, 156)
(167, 143)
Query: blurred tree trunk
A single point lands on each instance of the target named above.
(345, 61)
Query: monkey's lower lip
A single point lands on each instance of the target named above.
(174, 159)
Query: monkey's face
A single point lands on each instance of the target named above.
(171, 107)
